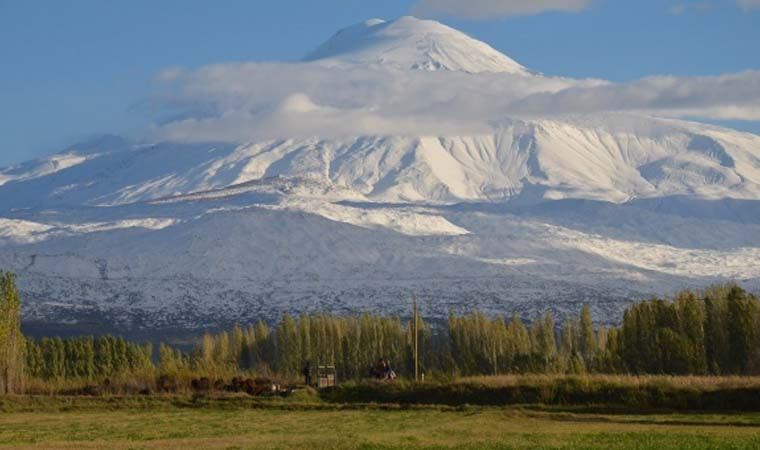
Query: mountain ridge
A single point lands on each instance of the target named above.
(567, 159)
(524, 214)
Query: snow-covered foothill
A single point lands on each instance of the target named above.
(365, 204)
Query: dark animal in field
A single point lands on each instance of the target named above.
(258, 386)
(166, 383)
(239, 384)
(201, 384)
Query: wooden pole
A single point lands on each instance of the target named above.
(416, 343)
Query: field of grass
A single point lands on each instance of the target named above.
(630, 394)
(237, 422)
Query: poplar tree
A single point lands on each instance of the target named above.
(35, 363)
(692, 320)
(204, 359)
(264, 346)
(544, 343)
(55, 357)
(742, 312)
(288, 347)
(167, 360)
(222, 357)
(103, 356)
(237, 341)
(587, 345)
(12, 343)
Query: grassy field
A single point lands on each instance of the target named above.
(601, 392)
(243, 423)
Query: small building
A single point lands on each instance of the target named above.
(325, 376)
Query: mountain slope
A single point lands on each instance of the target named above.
(199, 261)
(521, 213)
(614, 158)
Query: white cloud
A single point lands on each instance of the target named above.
(748, 4)
(678, 9)
(246, 102)
(170, 74)
(242, 102)
(490, 9)
(682, 8)
(729, 96)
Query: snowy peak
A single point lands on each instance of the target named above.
(409, 43)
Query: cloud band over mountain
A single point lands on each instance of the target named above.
(495, 9)
(271, 100)
(489, 9)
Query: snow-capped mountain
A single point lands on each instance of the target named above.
(412, 44)
(518, 212)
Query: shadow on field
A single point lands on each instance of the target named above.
(596, 396)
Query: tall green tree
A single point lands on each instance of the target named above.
(103, 358)
(691, 314)
(288, 347)
(742, 313)
(12, 342)
(543, 341)
(587, 338)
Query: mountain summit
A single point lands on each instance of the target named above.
(401, 181)
(411, 43)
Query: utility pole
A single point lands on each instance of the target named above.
(416, 342)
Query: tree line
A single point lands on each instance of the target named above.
(714, 332)
(86, 357)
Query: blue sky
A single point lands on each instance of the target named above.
(78, 68)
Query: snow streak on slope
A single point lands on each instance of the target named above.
(40, 168)
(25, 232)
(61, 161)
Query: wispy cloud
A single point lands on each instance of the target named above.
(242, 102)
(748, 4)
(731, 96)
(681, 8)
(245, 102)
(686, 6)
(490, 9)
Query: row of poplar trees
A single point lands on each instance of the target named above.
(352, 344)
(86, 357)
(715, 332)
(473, 344)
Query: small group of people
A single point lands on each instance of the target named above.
(382, 370)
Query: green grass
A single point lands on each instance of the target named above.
(618, 393)
(237, 422)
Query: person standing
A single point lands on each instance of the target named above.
(307, 373)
